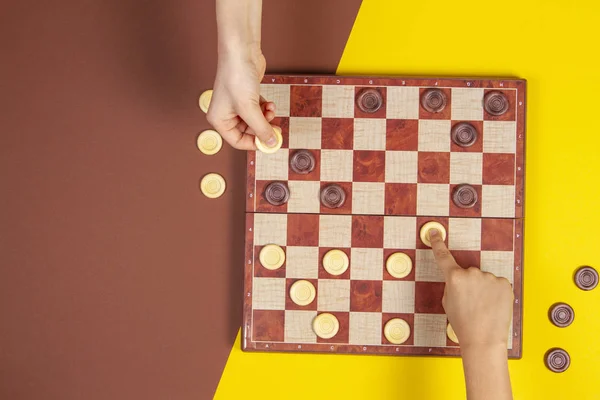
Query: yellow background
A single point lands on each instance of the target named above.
(554, 45)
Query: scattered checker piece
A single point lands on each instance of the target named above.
(563, 315)
(209, 142)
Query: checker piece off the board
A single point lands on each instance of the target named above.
(335, 258)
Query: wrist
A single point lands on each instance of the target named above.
(238, 45)
(484, 351)
(486, 371)
(238, 26)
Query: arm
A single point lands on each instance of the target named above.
(479, 308)
(237, 111)
(486, 372)
(239, 24)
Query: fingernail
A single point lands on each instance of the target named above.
(433, 232)
(271, 142)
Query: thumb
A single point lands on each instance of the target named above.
(252, 114)
(441, 253)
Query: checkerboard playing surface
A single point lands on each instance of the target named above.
(400, 165)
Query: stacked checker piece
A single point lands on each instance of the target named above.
(366, 165)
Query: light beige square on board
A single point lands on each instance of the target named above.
(434, 135)
(278, 94)
(498, 201)
(433, 199)
(369, 134)
(466, 168)
(430, 330)
(304, 197)
(334, 295)
(467, 104)
(305, 133)
(302, 262)
(337, 165)
(402, 102)
(398, 297)
(335, 230)
(426, 269)
(499, 263)
(399, 232)
(401, 166)
(367, 264)
(298, 327)
(465, 234)
(499, 136)
(365, 328)
(272, 166)
(368, 197)
(269, 294)
(338, 101)
(270, 229)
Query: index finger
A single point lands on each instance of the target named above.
(442, 255)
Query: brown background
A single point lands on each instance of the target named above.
(118, 279)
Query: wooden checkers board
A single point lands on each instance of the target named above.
(395, 148)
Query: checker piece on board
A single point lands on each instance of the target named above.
(326, 325)
(464, 196)
(302, 162)
(399, 265)
(434, 100)
(396, 331)
(464, 134)
(333, 196)
(302, 292)
(424, 233)
(369, 101)
(266, 149)
(335, 262)
(451, 334)
(495, 103)
(277, 193)
(272, 257)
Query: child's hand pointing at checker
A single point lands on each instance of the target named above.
(479, 308)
